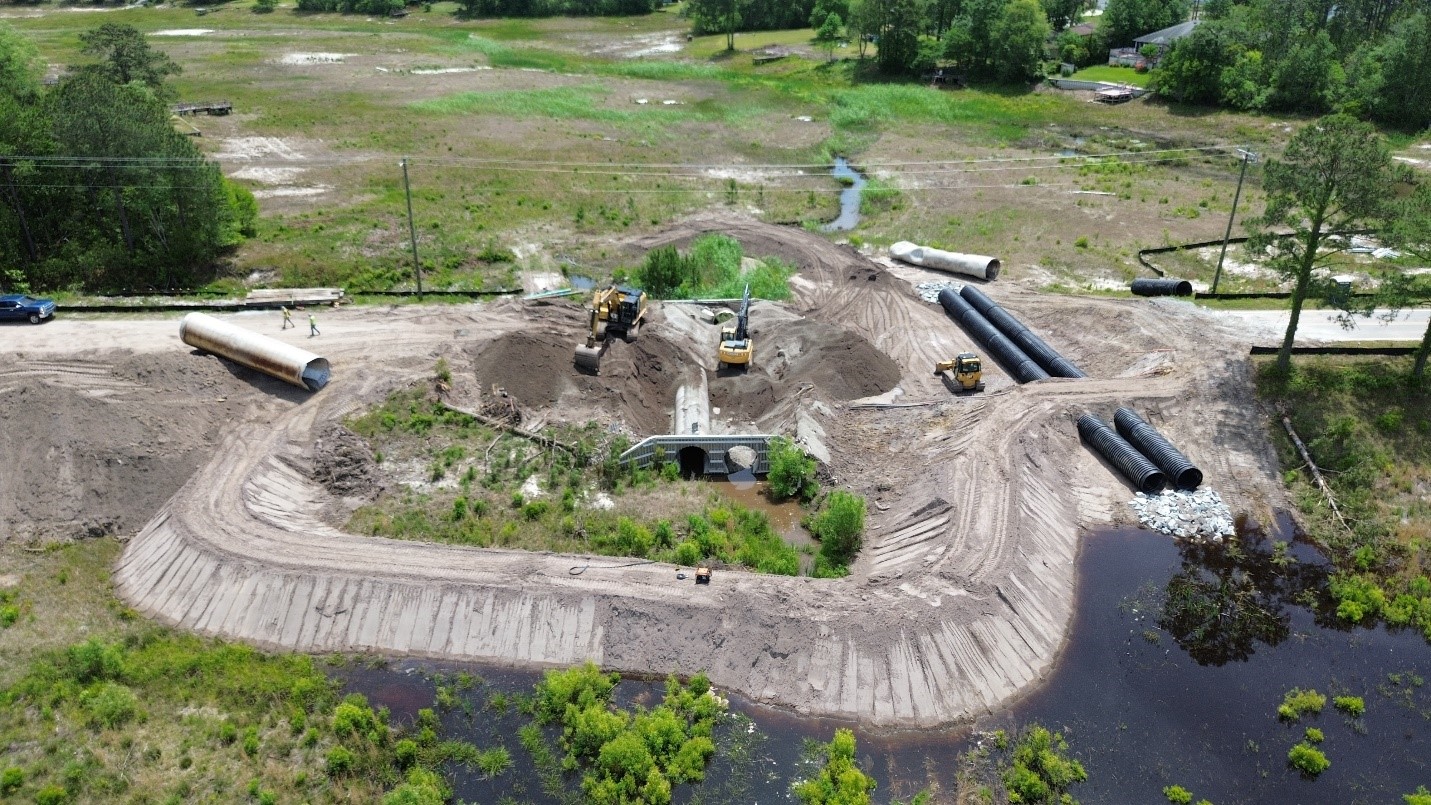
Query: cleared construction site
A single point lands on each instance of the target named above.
(959, 600)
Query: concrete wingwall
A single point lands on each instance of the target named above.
(238, 552)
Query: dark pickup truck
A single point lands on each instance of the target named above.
(19, 307)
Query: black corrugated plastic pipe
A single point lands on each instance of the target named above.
(1044, 355)
(1161, 287)
(1150, 443)
(1134, 466)
(1019, 365)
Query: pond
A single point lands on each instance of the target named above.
(1147, 695)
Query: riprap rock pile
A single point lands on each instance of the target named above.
(929, 291)
(1199, 515)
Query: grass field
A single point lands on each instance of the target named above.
(560, 137)
(1113, 75)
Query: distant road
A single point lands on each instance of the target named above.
(1321, 325)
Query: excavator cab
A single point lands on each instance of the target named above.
(968, 371)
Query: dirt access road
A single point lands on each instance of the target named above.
(960, 601)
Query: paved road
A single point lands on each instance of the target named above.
(1321, 325)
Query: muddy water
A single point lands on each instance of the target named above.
(849, 216)
(1188, 698)
(742, 488)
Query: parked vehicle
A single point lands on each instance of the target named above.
(19, 307)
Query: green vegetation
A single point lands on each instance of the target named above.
(487, 506)
(1353, 706)
(1298, 703)
(1040, 770)
(104, 129)
(627, 757)
(839, 525)
(1419, 797)
(1308, 759)
(792, 472)
(1178, 795)
(840, 780)
(1314, 735)
(712, 268)
(1370, 433)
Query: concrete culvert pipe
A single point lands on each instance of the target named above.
(1151, 443)
(973, 265)
(1134, 465)
(268, 355)
(1161, 287)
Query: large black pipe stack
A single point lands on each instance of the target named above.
(1161, 287)
(1033, 346)
(1023, 368)
(1152, 444)
(1134, 466)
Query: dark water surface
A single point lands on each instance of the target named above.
(849, 197)
(1137, 708)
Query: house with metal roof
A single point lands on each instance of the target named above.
(1165, 38)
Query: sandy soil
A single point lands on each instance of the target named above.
(960, 600)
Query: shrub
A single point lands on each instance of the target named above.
(93, 660)
(792, 473)
(109, 705)
(1082, 243)
(1178, 795)
(354, 717)
(1298, 702)
(1353, 706)
(422, 787)
(405, 752)
(8, 615)
(1308, 759)
(10, 780)
(250, 741)
(581, 686)
(1040, 769)
(840, 527)
(839, 780)
(1418, 797)
(1314, 735)
(52, 795)
(340, 761)
(494, 761)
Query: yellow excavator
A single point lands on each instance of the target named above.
(615, 311)
(967, 369)
(736, 344)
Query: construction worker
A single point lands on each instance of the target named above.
(313, 325)
(287, 318)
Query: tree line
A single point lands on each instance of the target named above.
(97, 189)
(1368, 58)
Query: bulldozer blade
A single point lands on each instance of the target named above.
(588, 358)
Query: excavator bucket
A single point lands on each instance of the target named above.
(588, 358)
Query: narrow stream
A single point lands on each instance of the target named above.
(1147, 694)
(849, 216)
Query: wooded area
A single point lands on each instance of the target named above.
(97, 189)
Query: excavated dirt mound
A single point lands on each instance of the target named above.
(97, 446)
(637, 383)
(838, 362)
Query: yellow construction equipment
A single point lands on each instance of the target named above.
(736, 344)
(615, 311)
(967, 371)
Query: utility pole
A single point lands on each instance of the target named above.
(412, 228)
(1247, 157)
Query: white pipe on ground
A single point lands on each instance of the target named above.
(268, 355)
(973, 265)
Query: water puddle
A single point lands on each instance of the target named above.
(849, 216)
(1177, 660)
(744, 489)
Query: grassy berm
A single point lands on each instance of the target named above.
(1369, 431)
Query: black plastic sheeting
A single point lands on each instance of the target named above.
(1134, 465)
(1018, 364)
(1031, 345)
(1161, 287)
(1151, 444)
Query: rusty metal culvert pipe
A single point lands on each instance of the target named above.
(1161, 287)
(268, 355)
(1151, 443)
(1134, 465)
(1019, 365)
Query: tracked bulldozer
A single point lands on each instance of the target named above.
(968, 371)
(616, 311)
(736, 345)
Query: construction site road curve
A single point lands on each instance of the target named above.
(960, 600)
